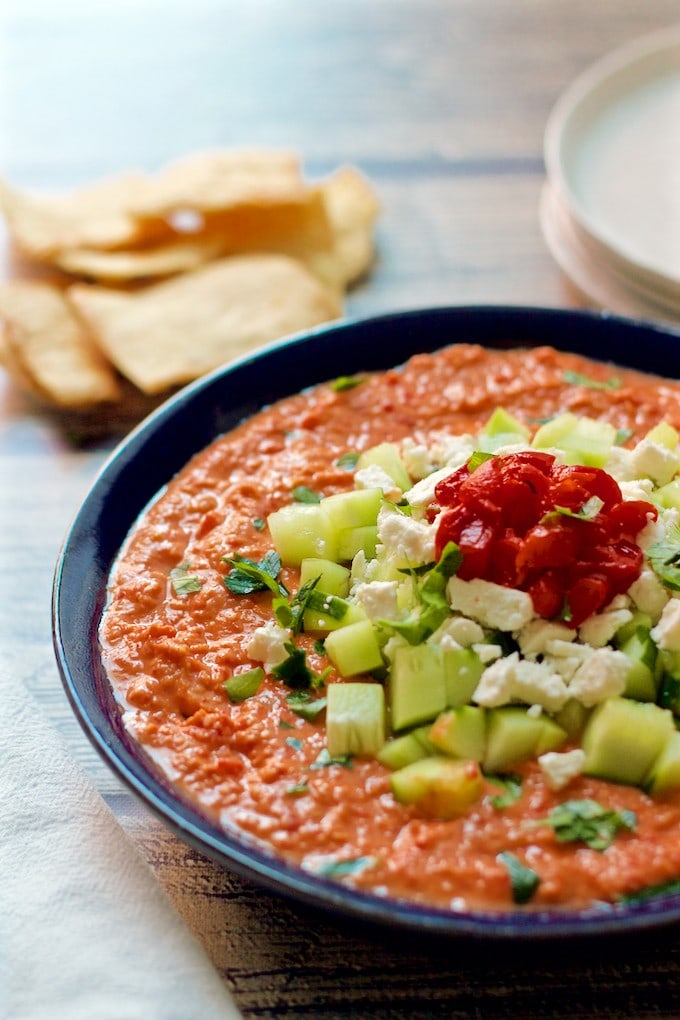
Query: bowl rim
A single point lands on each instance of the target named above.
(89, 549)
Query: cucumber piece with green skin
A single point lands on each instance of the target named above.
(404, 750)
(387, 456)
(572, 717)
(627, 630)
(512, 736)
(438, 786)
(583, 440)
(665, 772)
(668, 495)
(489, 444)
(355, 719)
(417, 687)
(461, 732)
(641, 682)
(665, 435)
(315, 621)
(354, 540)
(302, 530)
(462, 671)
(333, 577)
(357, 508)
(623, 738)
(354, 649)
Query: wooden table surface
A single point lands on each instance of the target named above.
(443, 104)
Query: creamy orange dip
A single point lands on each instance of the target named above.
(254, 766)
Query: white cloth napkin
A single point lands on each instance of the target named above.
(86, 931)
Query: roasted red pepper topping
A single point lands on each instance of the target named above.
(563, 534)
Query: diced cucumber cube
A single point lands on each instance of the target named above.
(354, 649)
(461, 732)
(440, 787)
(354, 509)
(354, 540)
(641, 680)
(665, 435)
(489, 444)
(513, 735)
(668, 496)
(318, 622)
(572, 717)
(409, 747)
(387, 456)
(627, 630)
(502, 422)
(302, 530)
(417, 686)
(333, 577)
(583, 440)
(623, 738)
(665, 772)
(462, 671)
(355, 718)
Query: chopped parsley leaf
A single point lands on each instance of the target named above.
(248, 576)
(319, 647)
(297, 790)
(259, 523)
(183, 583)
(622, 436)
(576, 379)
(511, 784)
(586, 821)
(302, 703)
(348, 461)
(303, 494)
(294, 742)
(669, 888)
(350, 866)
(664, 558)
(294, 670)
(523, 880)
(324, 760)
(244, 685)
(478, 458)
(588, 511)
(346, 382)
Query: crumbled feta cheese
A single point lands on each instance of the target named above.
(656, 531)
(599, 629)
(458, 632)
(619, 467)
(666, 633)
(457, 450)
(491, 604)
(655, 461)
(487, 653)
(535, 711)
(363, 570)
(534, 638)
(637, 488)
(514, 679)
(378, 599)
(416, 459)
(602, 675)
(565, 658)
(375, 477)
(560, 767)
(266, 644)
(648, 594)
(422, 493)
(404, 538)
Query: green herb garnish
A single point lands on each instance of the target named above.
(588, 511)
(324, 760)
(302, 703)
(586, 821)
(433, 606)
(259, 523)
(248, 576)
(346, 382)
(303, 494)
(478, 458)
(650, 891)
(348, 461)
(576, 379)
(523, 880)
(350, 866)
(622, 436)
(294, 742)
(297, 790)
(183, 583)
(664, 558)
(244, 685)
(294, 670)
(511, 784)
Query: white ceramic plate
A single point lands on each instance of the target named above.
(612, 151)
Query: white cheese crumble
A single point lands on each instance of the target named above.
(375, 477)
(404, 538)
(648, 594)
(514, 679)
(458, 632)
(560, 767)
(487, 652)
(416, 459)
(422, 493)
(602, 675)
(535, 637)
(491, 604)
(378, 599)
(266, 644)
(655, 461)
(666, 633)
(599, 629)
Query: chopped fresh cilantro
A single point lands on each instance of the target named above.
(285, 725)
(303, 494)
(294, 670)
(669, 888)
(183, 583)
(259, 523)
(244, 685)
(348, 461)
(477, 458)
(289, 613)
(576, 379)
(331, 605)
(586, 821)
(511, 784)
(346, 382)
(433, 607)
(350, 866)
(622, 436)
(297, 790)
(324, 760)
(248, 576)
(588, 511)
(294, 742)
(523, 880)
(302, 703)
(319, 647)
(664, 558)
(669, 693)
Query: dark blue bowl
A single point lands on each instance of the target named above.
(162, 444)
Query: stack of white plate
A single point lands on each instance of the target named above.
(610, 209)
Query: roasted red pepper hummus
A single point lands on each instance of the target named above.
(173, 634)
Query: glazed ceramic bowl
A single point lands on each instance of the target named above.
(161, 445)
